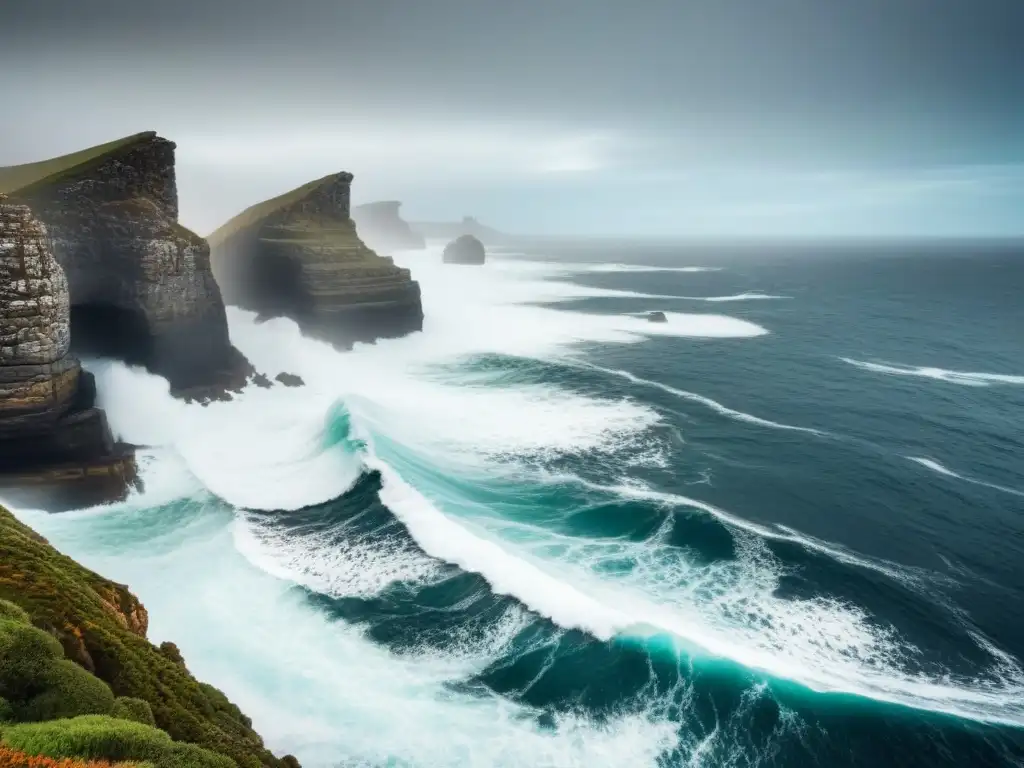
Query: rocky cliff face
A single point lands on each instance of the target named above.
(299, 256)
(381, 227)
(141, 284)
(56, 449)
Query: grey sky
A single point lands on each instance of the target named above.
(592, 116)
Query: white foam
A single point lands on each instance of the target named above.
(316, 687)
(265, 449)
(944, 470)
(728, 609)
(747, 296)
(965, 378)
(694, 397)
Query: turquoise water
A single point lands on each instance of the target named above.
(783, 529)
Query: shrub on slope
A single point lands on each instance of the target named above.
(101, 627)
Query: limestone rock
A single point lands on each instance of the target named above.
(656, 317)
(381, 227)
(464, 250)
(56, 449)
(141, 285)
(298, 256)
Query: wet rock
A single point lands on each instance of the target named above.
(290, 380)
(656, 317)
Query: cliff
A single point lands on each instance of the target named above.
(298, 256)
(449, 230)
(381, 227)
(56, 449)
(74, 655)
(141, 284)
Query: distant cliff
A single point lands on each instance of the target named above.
(56, 450)
(449, 230)
(298, 256)
(141, 284)
(380, 226)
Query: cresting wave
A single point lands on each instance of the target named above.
(946, 471)
(965, 378)
(694, 397)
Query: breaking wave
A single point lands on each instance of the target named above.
(965, 378)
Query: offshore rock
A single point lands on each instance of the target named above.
(381, 227)
(141, 285)
(56, 450)
(290, 380)
(656, 317)
(298, 256)
(464, 250)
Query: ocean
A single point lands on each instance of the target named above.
(784, 528)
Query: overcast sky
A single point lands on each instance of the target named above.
(659, 117)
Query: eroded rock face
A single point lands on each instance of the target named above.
(299, 256)
(464, 250)
(381, 227)
(55, 446)
(141, 285)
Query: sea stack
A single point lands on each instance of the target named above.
(141, 285)
(298, 256)
(464, 250)
(56, 450)
(381, 227)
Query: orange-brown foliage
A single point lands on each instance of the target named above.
(12, 758)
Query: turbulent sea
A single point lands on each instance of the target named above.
(784, 528)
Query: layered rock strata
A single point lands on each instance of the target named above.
(381, 227)
(56, 449)
(298, 256)
(141, 284)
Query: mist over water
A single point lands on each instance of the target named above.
(548, 532)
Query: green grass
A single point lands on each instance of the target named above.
(84, 614)
(18, 178)
(256, 213)
(99, 737)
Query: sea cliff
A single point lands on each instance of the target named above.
(381, 226)
(56, 449)
(299, 256)
(141, 285)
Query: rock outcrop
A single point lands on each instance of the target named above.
(381, 227)
(56, 450)
(656, 317)
(464, 250)
(141, 284)
(298, 256)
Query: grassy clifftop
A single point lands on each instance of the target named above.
(256, 213)
(73, 647)
(19, 178)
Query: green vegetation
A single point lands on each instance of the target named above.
(256, 213)
(85, 645)
(68, 691)
(19, 178)
(136, 710)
